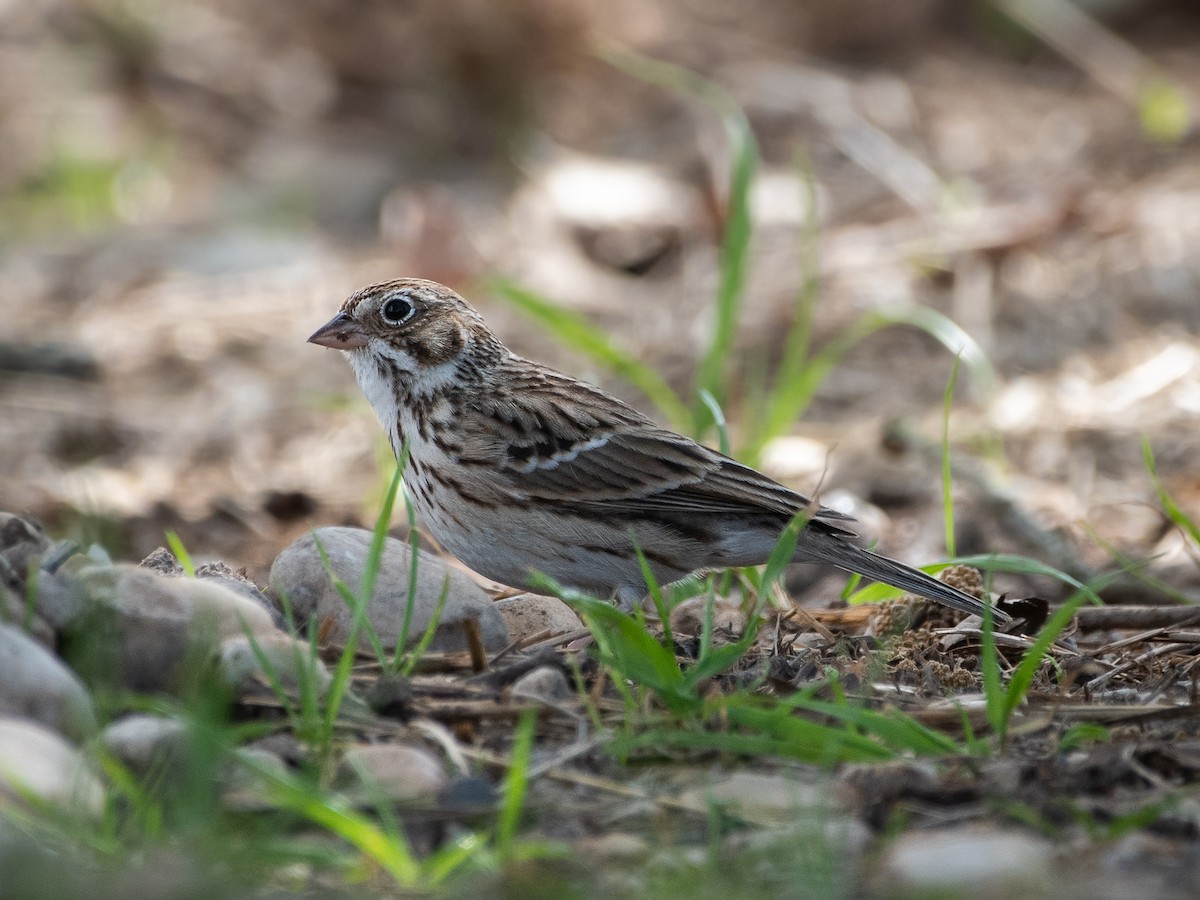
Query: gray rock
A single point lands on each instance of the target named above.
(144, 743)
(763, 798)
(248, 590)
(972, 859)
(545, 684)
(368, 772)
(288, 660)
(17, 612)
(614, 848)
(529, 614)
(36, 684)
(22, 542)
(34, 761)
(56, 602)
(244, 786)
(299, 576)
(22, 546)
(148, 627)
(163, 562)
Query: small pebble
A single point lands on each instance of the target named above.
(394, 772)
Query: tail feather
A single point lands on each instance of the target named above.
(817, 547)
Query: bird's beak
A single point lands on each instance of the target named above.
(341, 333)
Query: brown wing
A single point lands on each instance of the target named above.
(559, 440)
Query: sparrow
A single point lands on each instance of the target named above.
(516, 468)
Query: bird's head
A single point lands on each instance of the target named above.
(409, 325)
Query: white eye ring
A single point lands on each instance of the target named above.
(397, 310)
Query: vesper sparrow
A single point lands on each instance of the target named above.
(515, 467)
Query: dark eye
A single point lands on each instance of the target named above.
(397, 310)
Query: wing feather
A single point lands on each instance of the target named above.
(606, 457)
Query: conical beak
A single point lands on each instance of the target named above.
(341, 333)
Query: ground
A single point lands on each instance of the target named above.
(190, 191)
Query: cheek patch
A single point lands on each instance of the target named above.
(438, 347)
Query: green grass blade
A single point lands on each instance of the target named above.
(993, 691)
(996, 562)
(517, 783)
(358, 602)
(389, 851)
(181, 554)
(718, 417)
(784, 550)
(410, 599)
(896, 730)
(379, 534)
(783, 406)
(656, 596)
(713, 375)
(819, 745)
(1136, 568)
(1024, 565)
(792, 397)
(1170, 507)
(582, 336)
(448, 859)
(715, 660)
(625, 645)
(805, 739)
(428, 634)
(1026, 670)
(738, 226)
(947, 483)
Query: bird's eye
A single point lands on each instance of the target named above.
(397, 310)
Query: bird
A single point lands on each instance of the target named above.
(517, 468)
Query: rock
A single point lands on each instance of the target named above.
(145, 628)
(614, 848)
(287, 659)
(468, 795)
(530, 614)
(36, 684)
(289, 663)
(244, 786)
(391, 696)
(368, 772)
(763, 798)
(970, 859)
(163, 562)
(545, 684)
(36, 761)
(14, 609)
(144, 743)
(236, 581)
(728, 617)
(299, 576)
(22, 542)
(293, 751)
(22, 546)
(56, 602)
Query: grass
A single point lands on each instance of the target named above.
(773, 404)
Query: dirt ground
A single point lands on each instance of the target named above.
(189, 190)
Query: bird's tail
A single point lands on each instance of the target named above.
(836, 551)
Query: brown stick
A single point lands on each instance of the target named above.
(1140, 617)
(479, 655)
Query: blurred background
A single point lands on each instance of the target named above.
(189, 188)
